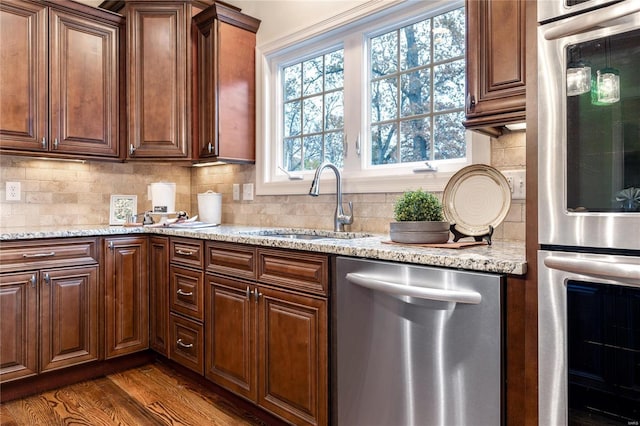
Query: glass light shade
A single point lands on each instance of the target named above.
(578, 80)
(607, 87)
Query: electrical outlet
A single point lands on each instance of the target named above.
(236, 191)
(13, 191)
(517, 183)
(247, 191)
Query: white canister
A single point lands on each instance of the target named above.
(210, 207)
(163, 197)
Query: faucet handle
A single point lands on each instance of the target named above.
(348, 218)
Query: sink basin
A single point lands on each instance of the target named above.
(307, 234)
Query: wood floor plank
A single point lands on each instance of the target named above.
(151, 395)
(166, 396)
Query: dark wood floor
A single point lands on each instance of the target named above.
(153, 394)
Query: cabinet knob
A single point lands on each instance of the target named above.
(47, 278)
(471, 101)
(55, 143)
(132, 149)
(210, 148)
(110, 245)
(44, 143)
(33, 280)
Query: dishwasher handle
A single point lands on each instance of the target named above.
(457, 296)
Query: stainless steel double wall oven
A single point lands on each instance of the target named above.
(589, 211)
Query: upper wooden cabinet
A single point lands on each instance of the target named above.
(226, 43)
(59, 82)
(159, 78)
(496, 68)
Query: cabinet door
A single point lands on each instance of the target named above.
(158, 86)
(84, 85)
(292, 356)
(159, 295)
(23, 75)
(18, 326)
(126, 295)
(226, 84)
(68, 317)
(495, 62)
(230, 327)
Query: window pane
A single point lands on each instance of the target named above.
(291, 118)
(333, 143)
(449, 139)
(415, 140)
(312, 115)
(384, 144)
(312, 76)
(292, 81)
(384, 105)
(416, 88)
(312, 152)
(415, 45)
(334, 110)
(384, 54)
(334, 70)
(292, 154)
(449, 85)
(448, 35)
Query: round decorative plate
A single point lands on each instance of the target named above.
(475, 197)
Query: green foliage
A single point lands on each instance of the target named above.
(418, 206)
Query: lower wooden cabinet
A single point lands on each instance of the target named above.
(270, 344)
(126, 295)
(49, 306)
(48, 320)
(159, 294)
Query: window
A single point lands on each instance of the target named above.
(381, 96)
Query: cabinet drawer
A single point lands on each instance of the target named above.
(186, 252)
(186, 343)
(294, 270)
(186, 292)
(231, 259)
(21, 255)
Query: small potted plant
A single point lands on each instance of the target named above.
(419, 219)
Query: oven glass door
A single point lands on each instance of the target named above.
(603, 124)
(589, 132)
(603, 341)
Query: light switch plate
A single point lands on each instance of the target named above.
(517, 183)
(247, 191)
(12, 191)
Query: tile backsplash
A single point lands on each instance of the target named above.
(68, 193)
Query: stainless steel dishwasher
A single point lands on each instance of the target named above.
(416, 345)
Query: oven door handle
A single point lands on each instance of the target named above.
(374, 283)
(587, 21)
(627, 272)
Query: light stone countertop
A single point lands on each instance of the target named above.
(500, 257)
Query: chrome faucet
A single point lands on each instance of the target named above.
(339, 219)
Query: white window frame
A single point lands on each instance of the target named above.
(349, 30)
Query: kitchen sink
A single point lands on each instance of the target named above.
(307, 234)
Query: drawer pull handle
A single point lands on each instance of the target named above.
(182, 293)
(31, 256)
(33, 280)
(184, 253)
(184, 345)
(47, 278)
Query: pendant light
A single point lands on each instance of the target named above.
(605, 89)
(578, 74)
